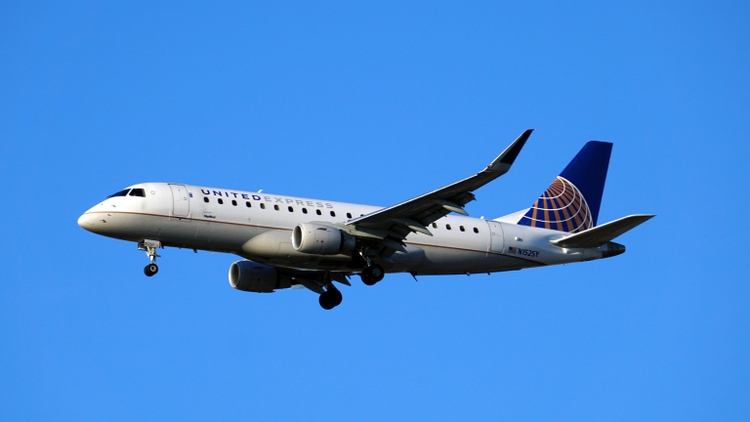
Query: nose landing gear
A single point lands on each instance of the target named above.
(150, 247)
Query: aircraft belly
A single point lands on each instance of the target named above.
(443, 260)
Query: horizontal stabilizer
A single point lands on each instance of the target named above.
(599, 235)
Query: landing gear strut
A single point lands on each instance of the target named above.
(372, 274)
(150, 247)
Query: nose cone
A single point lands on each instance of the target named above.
(87, 221)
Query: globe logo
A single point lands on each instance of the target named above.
(561, 207)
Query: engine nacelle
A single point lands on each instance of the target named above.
(251, 276)
(321, 240)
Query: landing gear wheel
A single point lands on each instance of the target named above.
(330, 299)
(150, 247)
(150, 269)
(372, 274)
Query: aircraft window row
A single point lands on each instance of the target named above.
(448, 227)
(141, 192)
(248, 204)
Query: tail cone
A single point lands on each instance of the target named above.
(612, 249)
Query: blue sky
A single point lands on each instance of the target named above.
(375, 103)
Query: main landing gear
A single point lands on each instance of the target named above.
(150, 247)
(331, 298)
(372, 274)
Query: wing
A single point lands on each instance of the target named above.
(388, 227)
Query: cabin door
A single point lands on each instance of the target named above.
(496, 236)
(180, 202)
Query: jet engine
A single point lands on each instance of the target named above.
(321, 240)
(251, 276)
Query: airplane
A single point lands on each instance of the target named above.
(287, 241)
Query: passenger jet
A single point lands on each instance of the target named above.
(287, 241)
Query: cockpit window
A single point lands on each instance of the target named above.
(138, 192)
(123, 192)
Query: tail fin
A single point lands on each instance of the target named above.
(571, 202)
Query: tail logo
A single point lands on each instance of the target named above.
(561, 207)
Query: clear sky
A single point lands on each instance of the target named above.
(375, 103)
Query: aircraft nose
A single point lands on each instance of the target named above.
(86, 221)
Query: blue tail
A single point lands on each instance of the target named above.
(571, 202)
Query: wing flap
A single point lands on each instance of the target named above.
(599, 235)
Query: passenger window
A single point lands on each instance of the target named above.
(476, 230)
(234, 202)
(447, 226)
(221, 201)
(318, 212)
(304, 210)
(205, 199)
(462, 228)
(333, 214)
(262, 206)
(348, 215)
(276, 207)
(434, 225)
(248, 204)
(291, 209)
(138, 192)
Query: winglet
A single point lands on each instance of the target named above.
(502, 163)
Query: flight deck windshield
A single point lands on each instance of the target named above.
(123, 192)
(130, 192)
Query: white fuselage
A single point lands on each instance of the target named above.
(258, 226)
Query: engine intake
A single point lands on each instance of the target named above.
(251, 276)
(321, 240)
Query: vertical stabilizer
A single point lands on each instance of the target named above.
(571, 202)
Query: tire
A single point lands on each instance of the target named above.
(150, 270)
(376, 272)
(326, 301)
(372, 274)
